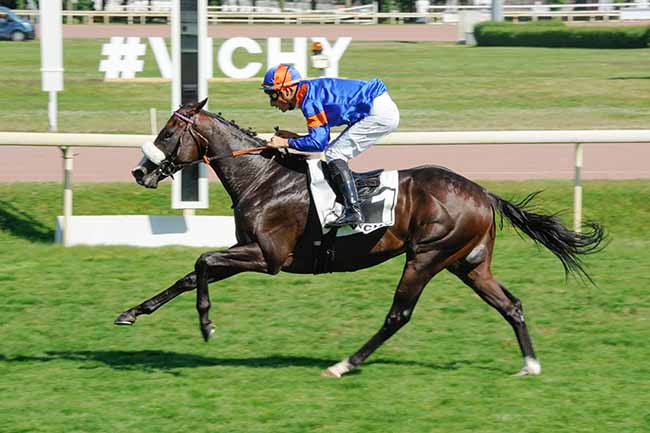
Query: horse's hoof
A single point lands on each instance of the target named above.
(330, 373)
(125, 319)
(532, 368)
(339, 369)
(207, 332)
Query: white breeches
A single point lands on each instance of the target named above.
(383, 119)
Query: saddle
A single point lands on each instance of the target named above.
(378, 195)
(366, 182)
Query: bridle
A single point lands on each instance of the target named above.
(168, 167)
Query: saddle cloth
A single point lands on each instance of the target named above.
(377, 200)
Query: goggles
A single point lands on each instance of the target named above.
(272, 94)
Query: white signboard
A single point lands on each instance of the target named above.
(51, 46)
(129, 62)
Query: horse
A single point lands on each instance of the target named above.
(442, 221)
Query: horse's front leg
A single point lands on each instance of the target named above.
(185, 284)
(218, 265)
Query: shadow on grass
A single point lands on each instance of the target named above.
(20, 223)
(629, 78)
(158, 360)
(450, 366)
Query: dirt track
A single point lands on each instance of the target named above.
(493, 162)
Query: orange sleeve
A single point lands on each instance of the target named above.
(317, 120)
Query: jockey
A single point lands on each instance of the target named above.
(364, 106)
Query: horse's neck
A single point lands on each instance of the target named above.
(243, 174)
(240, 175)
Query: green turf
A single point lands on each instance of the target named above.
(64, 367)
(437, 87)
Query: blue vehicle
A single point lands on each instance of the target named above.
(13, 27)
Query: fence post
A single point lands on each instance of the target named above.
(153, 121)
(67, 193)
(577, 190)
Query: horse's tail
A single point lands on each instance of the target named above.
(547, 230)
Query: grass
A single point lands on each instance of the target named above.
(64, 367)
(437, 87)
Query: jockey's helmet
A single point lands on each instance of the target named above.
(280, 77)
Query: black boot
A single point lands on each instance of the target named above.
(344, 183)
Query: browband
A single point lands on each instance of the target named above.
(183, 117)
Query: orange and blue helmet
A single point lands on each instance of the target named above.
(280, 77)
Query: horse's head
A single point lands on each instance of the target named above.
(178, 144)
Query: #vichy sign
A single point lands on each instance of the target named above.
(123, 56)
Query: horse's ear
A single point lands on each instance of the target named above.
(197, 107)
(201, 104)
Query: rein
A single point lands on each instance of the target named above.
(167, 167)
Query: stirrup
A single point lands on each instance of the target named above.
(349, 217)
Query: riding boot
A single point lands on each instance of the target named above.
(344, 183)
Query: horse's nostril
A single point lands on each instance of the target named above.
(138, 173)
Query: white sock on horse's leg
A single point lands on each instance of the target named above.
(532, 367)
(339, 369)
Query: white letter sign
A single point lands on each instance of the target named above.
(334, 53)
(298, 57)
(225, 58)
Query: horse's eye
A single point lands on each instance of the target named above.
(168, 133)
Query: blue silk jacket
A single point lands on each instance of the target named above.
(327, 102)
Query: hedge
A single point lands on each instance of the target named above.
(555, 34)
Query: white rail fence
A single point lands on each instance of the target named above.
(576, 137)
(367, 14)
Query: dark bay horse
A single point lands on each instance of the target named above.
(442, 221)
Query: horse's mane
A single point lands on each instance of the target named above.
(249, 133)
(292, 161)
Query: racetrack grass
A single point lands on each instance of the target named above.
(436, 86)
(64, 367)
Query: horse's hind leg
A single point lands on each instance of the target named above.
(480, 279)
(418, 271)
(185, 284)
